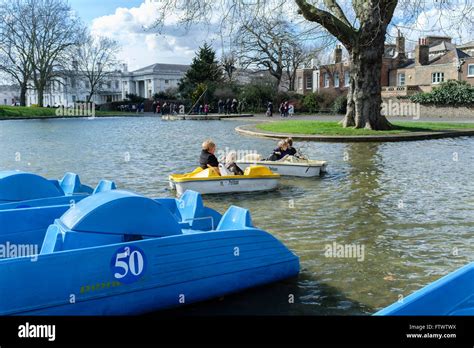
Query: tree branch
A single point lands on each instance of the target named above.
(344, 33)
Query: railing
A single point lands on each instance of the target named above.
(399, 90)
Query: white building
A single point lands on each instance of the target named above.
(69, 89)
(9, 94)
(152, 79)
(145, 82)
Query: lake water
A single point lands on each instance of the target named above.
(410, 205)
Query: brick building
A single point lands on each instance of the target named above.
(435, 59)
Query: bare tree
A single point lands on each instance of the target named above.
(16, 47)
(261, 46)
(360, 25)
(297, 57)
(229, 65)
(275, 45)
(95, 60)
(54, 31)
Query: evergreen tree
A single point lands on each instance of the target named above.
(204, 69)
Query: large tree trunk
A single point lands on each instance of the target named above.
(40, 93)
(364, 99)
(23, 89)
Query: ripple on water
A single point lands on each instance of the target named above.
(409, 204)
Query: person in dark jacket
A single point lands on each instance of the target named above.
(291, 150)
(270, 109)
(207, 158)
(279, 152)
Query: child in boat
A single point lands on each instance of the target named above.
(291, 150)
(279, 152)
(207, 158)
(230, 164)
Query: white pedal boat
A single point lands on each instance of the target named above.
(209, 181)
(288, 166)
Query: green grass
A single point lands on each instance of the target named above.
(334, 128)
(18, 112)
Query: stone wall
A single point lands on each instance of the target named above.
(404, 107)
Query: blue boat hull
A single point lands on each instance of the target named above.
(450, 295)
(117, 253)
(179, 271)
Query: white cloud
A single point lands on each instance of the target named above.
(142, 46)
(433, 21)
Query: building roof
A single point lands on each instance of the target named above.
(442, 46)
(9, 88)
(168, 68)
(469, 44)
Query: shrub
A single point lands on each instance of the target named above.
(452, 92)
(257, 96)
(134, 98)
(340, 105)
(312, 102)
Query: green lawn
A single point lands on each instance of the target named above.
(333, 128)
(12, 112)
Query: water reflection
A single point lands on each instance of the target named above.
(358, 202)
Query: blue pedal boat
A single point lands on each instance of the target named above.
(451, 295)
(22, 190)
(28, 224)
(118, 253)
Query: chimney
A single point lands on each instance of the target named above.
(422, 52)
(338, 54)
(400, 45)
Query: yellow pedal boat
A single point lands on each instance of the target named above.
(207, 181)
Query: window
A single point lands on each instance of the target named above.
(401, 79)
(347, 78)
(437, 77)
(117, 84)
(309, 82)
(326, 80)
(167, 82)
(470, 70)
(336, 80)
(73, 98)
(109, 85)
(300, 83)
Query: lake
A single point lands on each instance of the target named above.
(407, 209)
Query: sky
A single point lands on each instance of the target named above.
(127, 20)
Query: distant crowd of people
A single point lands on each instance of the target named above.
(165, 108)
(223, 107)
(285, 109)
(229, 106)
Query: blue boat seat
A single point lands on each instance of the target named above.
(235, 218)
(71, 184)
(18, 186)
(190, 211)
(107, 218)
(105, 185)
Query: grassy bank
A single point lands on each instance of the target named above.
(334, 128)
(21, 112)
